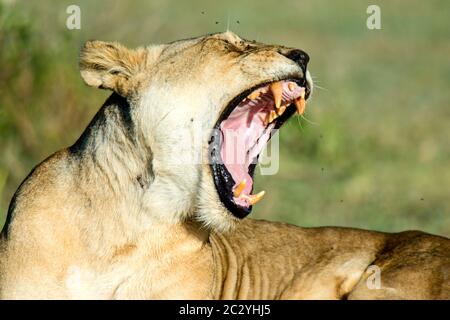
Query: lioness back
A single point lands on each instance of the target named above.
(269, 260)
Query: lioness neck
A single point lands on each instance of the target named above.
(114, 150)
(91, 197)
(112, 163)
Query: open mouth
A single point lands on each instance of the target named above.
(241, 133)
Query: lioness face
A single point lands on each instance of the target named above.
(206, 107)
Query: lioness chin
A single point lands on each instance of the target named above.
(123, 213)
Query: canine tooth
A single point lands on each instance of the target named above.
(257, 197)
(254, 198)
(281, 110)
(277, 92)
(291, 86)
(300, 103)
(240, 187)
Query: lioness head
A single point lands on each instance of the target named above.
(205, 107)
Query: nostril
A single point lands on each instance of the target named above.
(298, 56)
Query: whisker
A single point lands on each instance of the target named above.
(309, 121)
(319, 87)
(300, 124)
(163, 117)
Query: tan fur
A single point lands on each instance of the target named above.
(112, 66)
(116, 217)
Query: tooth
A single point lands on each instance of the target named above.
(254, 95)
(257, 197)
(254, 198)
(272, 116)
(291, 86)
(240, 187)
(281, 110)
(277, 92)
(300, 103)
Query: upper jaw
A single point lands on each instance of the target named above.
(299, 79)
(289, 96)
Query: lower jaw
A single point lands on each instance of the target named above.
(225, 193)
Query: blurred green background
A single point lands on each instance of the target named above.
(373, 154)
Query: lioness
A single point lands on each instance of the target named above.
(117, 216)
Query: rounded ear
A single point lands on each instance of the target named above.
(108, 65)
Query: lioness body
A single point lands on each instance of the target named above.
(113, 217)
(266, 260)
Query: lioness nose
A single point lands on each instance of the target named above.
(298, 56)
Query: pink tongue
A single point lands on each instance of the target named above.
(240, 134)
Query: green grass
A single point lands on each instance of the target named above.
(376, 154)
